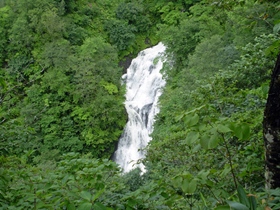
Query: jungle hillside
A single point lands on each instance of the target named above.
(62, 104)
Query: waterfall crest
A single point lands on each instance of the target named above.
(144, 84)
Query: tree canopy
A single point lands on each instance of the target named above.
(62, 113)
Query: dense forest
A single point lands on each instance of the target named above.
(62, 113)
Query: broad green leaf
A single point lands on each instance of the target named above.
(86, 195)
(192, 186)
(192, 120)
(177, 181)
(191, 137)
(242, 196)
(241, 131)
(210, 141)
(189, 186)
(204, 141)
(223, 129)
(237, 206)
(99, 206)
(185, 186)
(85, 206)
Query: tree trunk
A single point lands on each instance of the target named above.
(271, 129)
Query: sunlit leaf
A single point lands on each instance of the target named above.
(86, 195)
(223, 128)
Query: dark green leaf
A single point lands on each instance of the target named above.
(242, 196)
(70, 206)
(223, 208)
(237, 206)
(2, 82)
(253, 202)
(131, 202)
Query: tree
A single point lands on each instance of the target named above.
(121, 34)
(271, 129)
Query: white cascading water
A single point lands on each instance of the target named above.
(144, 84)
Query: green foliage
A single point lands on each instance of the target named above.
(184, 37)
(210, 117)
(49, 103)
(134, 179)
(129, 11)
(4, 26)
(60, 92)
(207, 64)
(133, 13)
(254, 65)
(121, 33)
(74, 182)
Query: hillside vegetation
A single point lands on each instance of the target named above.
(62, 113)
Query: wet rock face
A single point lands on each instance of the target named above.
(125, 63)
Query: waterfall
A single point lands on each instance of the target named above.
(144, 84)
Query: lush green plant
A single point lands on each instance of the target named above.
(60, 92)
(73, 183)
(121, 33)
